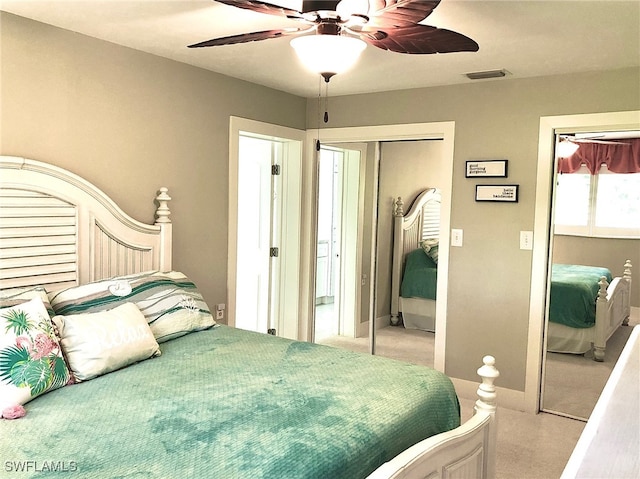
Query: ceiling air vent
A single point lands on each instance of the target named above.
(486, 74)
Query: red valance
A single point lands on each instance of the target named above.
(623, 157)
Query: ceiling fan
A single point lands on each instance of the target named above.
(387, 24)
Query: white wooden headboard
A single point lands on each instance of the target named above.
(420, 223)
(58, 230)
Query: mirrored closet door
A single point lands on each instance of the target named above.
(593, 235)
(387, 170)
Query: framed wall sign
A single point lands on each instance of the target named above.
(486, 169)
(504, 193)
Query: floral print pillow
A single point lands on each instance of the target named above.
(31, 361)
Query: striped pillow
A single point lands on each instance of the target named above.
(16, 296)
(170, 302)
(430, 247)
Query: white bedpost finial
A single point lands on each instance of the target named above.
(627, 303)
(602, 292)
(627, 269)
(486, 390)
(163, 212)
(600, 342)
(397, 207)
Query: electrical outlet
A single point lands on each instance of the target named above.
(220, 314)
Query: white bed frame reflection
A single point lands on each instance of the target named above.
(613, 307)
(421, 222)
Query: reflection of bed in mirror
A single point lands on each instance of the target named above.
(415, 259)
(586, 306)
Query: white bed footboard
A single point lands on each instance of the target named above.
(469, 451)
(613, 307)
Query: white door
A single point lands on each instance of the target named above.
(257, 196)
(264, 215)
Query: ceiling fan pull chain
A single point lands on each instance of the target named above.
(319, 103)
(326, 102)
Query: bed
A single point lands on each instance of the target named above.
(133, 377)
(586, 306)
(414, 261)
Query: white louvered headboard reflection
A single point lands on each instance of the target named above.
(420, 223)
(57, 230)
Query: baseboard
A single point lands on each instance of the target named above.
(381, 322)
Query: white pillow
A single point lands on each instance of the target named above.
(98, 343)
(31, 361)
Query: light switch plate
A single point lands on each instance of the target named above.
(456, 237)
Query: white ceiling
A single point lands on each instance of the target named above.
(527, 38)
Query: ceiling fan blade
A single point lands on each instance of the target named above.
(390, 14)
(263, 7)
(319, 5)
(419, 39)
(251, 37)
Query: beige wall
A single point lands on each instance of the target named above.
(131, 122)
(489, 277)
(607, 252)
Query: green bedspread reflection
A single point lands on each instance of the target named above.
(226, 403)
(574, 289)
(420, 276)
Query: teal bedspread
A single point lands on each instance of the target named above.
(574, 289)
(226, 403)
(420, 276)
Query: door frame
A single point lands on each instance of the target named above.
(538, 303)
(289, 283)
(444, 131)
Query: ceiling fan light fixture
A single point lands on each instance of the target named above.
(328, 54)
